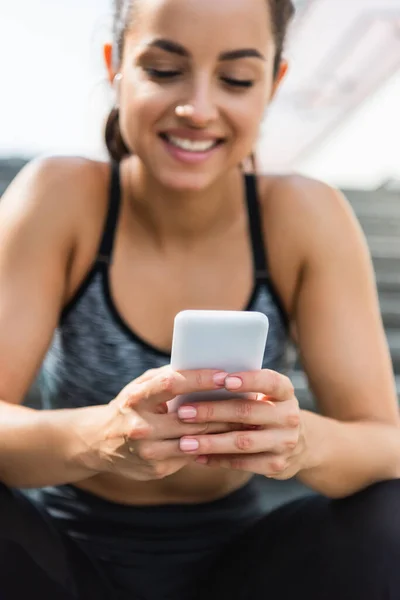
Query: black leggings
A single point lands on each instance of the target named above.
(313, 548)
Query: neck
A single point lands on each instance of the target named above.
(183, 216)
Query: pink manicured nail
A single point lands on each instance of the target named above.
(187, 412)
(233, 383)
(202, 460)
(189, 445)
(219, 378)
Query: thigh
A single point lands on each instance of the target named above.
(319, 549)
(34, 555)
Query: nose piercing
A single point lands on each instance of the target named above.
(184, 111)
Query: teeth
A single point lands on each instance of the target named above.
(191, 145)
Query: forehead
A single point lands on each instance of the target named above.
(209, 25)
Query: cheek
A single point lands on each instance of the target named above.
(140, 111)
(247, 117)
(251, 119)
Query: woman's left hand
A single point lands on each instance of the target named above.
(270, 437)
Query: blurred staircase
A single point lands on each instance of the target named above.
(379, 215)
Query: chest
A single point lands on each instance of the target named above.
(95, 353)
(148, 291)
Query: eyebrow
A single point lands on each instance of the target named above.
(175, 48)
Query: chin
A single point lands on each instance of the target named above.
(181, 181)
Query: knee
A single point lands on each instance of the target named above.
(371, 517)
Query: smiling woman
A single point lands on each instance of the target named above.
(136, 501)
(127, 15)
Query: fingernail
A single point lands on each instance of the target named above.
(187, 412)
(219, 378)
(202, 460)
(189, 445)
(233, 383)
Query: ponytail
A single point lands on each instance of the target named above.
(116, 146)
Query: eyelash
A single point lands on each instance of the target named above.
(156, 74)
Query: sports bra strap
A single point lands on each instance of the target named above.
(104, 254)
(257, 236)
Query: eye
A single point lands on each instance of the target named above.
(158, 74)
(239, 83)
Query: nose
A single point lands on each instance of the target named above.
(199, 109)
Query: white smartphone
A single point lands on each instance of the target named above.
(230, 341)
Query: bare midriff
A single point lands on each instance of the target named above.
(193, 484)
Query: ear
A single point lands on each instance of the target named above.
(108, 59)
(283, 69)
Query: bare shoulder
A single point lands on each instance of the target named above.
(55, 184)
(303, 205)
(304, 220)
(58, 202)
(298, 197)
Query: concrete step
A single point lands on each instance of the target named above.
(388, 280)
(379, 224)
(384, 246)
(393, 337)
(381, 227)
(390, 310)
(377, 217)
(388, 267)
(372, 205)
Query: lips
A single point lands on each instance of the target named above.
(191, 140)
(189, 145)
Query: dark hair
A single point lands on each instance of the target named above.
(282, 12)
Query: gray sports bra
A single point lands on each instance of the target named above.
(94, 353)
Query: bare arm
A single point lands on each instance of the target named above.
(41, 228)
(356, 441)
(37, 233)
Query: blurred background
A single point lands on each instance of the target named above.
(336, 117)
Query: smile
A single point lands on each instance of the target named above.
(194, 146)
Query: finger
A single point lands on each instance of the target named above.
(241, 442)
(267, 464)
(168, 384)
(169, 426)
(267, 382)
(159, 469)
(150, 373)
(241, 410)
(160, 450)
(169, 467)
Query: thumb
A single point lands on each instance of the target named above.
(147, 393)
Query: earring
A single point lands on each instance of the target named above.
(116, 87)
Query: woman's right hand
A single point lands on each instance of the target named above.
(134, 435)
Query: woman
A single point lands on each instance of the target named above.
(96, 259)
